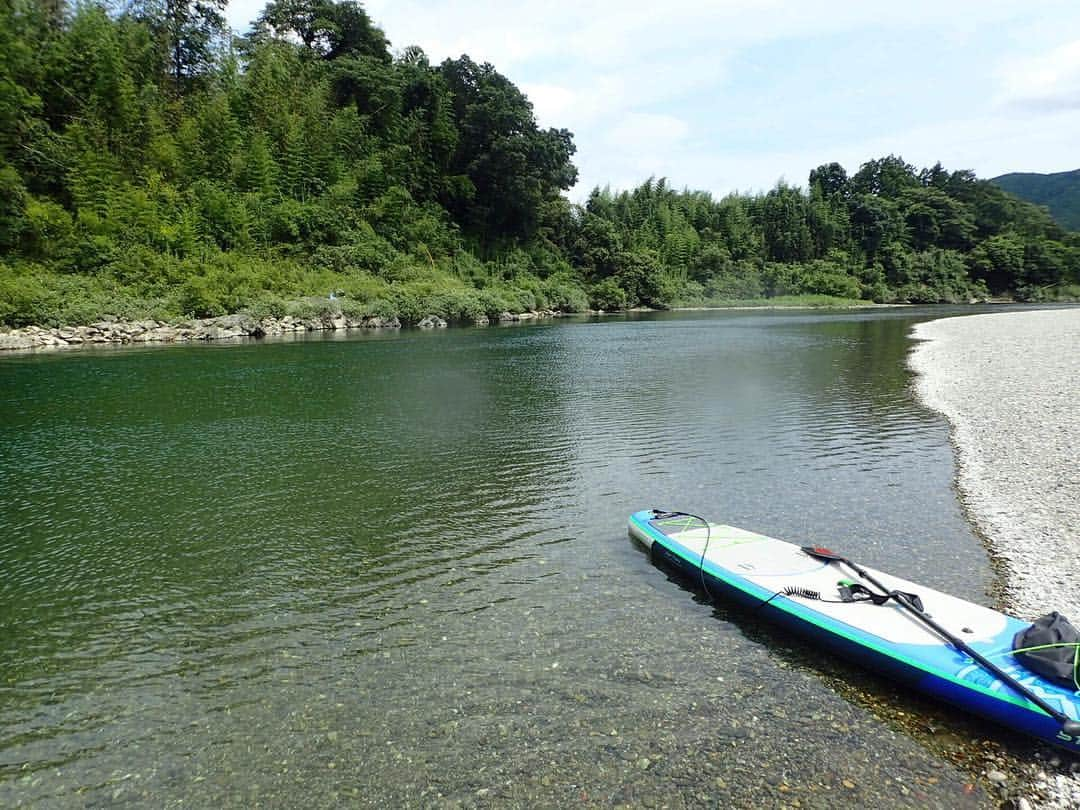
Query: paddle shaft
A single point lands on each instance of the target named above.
(1068, 725)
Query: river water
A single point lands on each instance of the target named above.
(393, 569)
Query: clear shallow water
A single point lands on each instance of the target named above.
(395, 568)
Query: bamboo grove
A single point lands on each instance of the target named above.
(152, 164)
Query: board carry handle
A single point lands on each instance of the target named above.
(1068, 725)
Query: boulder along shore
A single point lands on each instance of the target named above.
(29, 338)
(1009, 383)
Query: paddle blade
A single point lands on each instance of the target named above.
(822, 553)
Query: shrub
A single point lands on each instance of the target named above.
(266, 305)
(49, 230)
(823, 280)
(361, 286)
(491, 303)
(31, 294)
(364, 250)
(934, 276)
(352, 308)
(313, 308)
(199, 299)
(878, 292)
(146, 268)
(516, 298)
(608, 295)
(25, 299)
(565, 295)
(741, 280)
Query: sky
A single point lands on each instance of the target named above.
(737, 95)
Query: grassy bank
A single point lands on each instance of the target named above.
(34, 295)
(779, 302)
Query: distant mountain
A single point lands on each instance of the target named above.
(1060, 192)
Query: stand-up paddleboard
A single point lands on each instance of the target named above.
(968, 661)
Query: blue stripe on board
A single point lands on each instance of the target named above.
(924, 667)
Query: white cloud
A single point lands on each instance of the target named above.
(990, 145)
(647, 128)
(579, 106)
(552, 102)
(1048, 80)
(606, 32)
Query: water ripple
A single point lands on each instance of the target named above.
(193, 532)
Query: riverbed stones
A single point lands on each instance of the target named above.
(16, 341)
(376, 322)
(1009, 383)
(224, 327)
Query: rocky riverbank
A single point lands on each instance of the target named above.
(31, 338)
(1010, 385)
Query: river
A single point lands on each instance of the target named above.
(393, 569)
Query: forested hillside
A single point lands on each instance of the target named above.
(1059, 192)
(152, 164)
(889, 232)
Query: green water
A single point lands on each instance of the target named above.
(394, 570)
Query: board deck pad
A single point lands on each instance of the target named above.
(756, 570)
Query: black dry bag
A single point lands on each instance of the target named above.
(1051, 647)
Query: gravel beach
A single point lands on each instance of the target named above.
(1010, 385)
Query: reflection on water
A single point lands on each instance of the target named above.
(226, 568)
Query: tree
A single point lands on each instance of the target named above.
(373, 87)
(999, 262)
(884, 177)
(783, 217)
(328, 29)
(874, 222)
(598, 247)
(12, 207)
(935, 177)
(829, 180)
(512, 166)
(934, 276)
(933, 218)
(20, 70)
(187, 32)
(426, 125)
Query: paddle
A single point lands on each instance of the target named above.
(1069, 726)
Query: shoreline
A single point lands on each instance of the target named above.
(752, 307)
(110, 330)
(115, 331)
(1010, 387)
(224, 327)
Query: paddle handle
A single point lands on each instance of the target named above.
(1068, 725)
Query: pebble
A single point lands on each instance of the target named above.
(111, 330)
(1009, 387)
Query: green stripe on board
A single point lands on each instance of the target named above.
(795, 609)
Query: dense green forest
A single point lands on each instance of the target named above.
(153, 164)
(1059, 192)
